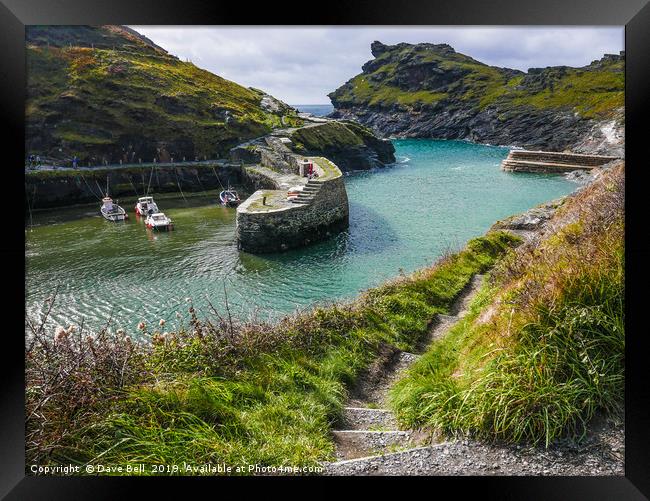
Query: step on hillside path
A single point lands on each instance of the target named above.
(367, 428)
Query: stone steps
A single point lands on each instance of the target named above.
(384, 464)
(353, 444)
(365, 433)
(366, 418)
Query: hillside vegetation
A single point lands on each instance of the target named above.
(430, 76)
(543, 348)
(107, 94)
(430, 90)
(222, 392)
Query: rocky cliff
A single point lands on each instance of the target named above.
(107, 94)
(430, 90)
(348, 144)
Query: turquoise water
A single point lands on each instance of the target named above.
(438, 195)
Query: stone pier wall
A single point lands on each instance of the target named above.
(552, 162)
(285, 225)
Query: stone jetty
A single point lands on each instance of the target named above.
(552, 162)
(269, 222)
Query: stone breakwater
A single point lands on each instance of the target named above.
(268, 222)
(552, 162)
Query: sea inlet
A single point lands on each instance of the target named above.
(436, 197)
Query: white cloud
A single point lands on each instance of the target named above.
(302, 65)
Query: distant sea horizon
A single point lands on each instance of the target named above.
(319, 110)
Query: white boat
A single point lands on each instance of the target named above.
(229, 198)
(158, 221)
(145, 206)
(111, 211)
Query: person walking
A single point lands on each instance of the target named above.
(74, 162)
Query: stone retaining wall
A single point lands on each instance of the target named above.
(57, 189)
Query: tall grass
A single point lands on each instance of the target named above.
(226, 392)
(543, 347)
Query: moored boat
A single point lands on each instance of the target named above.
(111, 211)
(159, 221)
(145, 206)
(229, 198)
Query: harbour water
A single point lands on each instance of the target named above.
(437, 196)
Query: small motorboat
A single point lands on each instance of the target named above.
(111, 211)
(145, 206)
(229, 198)
(158, 221)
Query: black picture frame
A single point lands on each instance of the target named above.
(634, 14)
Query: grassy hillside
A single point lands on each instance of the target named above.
(107, 93)
(218, 392)
(543, 347)
(428, 76)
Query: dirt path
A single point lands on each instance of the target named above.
(369, 442)
(368, 428)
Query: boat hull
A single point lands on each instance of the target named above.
(115, 217)
(229, 201)
(161, 227)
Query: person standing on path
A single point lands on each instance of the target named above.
(74, 162)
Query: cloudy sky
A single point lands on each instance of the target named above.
(302, 65)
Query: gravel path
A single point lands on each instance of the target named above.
(602, 453)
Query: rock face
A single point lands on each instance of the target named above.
(106, 94)
(432, 91)
(349, 145)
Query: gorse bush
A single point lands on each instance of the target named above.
(222, 391)
(543, 347)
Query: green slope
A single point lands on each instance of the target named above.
(430, 76)
(108, 93)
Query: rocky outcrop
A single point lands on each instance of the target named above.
(431, 91)
(348, 144)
